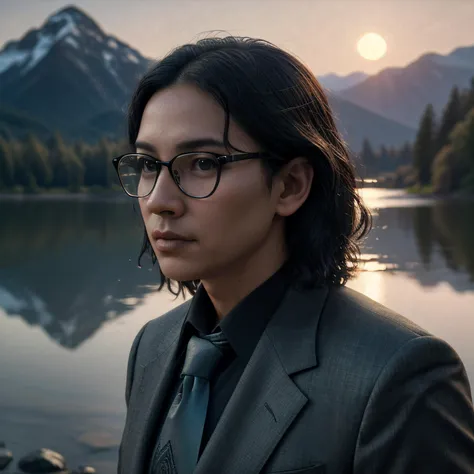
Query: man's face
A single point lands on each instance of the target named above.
(226, 229)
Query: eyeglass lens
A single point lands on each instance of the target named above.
(195, 173)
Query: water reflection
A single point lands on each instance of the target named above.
(71, 266)
(432, 243)
(453, 226)
(69, 280)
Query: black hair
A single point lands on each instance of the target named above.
(277, 101)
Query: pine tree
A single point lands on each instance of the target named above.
(36, 160)
(462, 142)
(393, 159)
(7, 170)
(423, 149)
(405, 155)
(75, 170)
(59, 161)
(88, 156)
(382, 158)
(36, 157)
(85, 157)
(24, 173)
(444, 171)
(80, 149)
(452, 114)
(98, 165)
(102, 153)
(368, 158)
(468, 100)
(107, 154)
(67, 170)
(107, 151)
(21, 171)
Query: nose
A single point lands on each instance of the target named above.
(166, 198)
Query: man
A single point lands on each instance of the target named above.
(273, 366)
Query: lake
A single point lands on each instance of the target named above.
(72, 299)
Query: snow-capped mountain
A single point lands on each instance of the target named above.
(68, 71)
(69, 75)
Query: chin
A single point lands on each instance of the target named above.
(179, 271)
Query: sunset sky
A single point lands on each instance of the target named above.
(322, 33)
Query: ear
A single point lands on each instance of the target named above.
(295, 180)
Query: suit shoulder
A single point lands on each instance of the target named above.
(368, 332)
(170, 318)
(371, 315)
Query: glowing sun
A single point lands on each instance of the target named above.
(372, 46)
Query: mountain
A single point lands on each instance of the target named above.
(15, 124)
(68, 71)
(402, 94)
(111, 124)
(69, 75)
(77, 271)
(356, 123)
(336, 83)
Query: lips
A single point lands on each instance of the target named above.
(167, 241)
(169, 235)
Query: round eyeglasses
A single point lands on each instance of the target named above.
(197, 174)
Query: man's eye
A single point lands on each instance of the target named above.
(149, 166)
(204, 164)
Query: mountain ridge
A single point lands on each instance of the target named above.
(69, 68)
(68, 73)
(336, 82)
(402, 93)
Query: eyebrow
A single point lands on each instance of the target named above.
(186, 145)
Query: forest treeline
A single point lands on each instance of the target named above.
(34, 165)
(442, 157)
(440, 160)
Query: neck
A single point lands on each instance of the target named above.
(227, 289)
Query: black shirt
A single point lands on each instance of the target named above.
(242, 327)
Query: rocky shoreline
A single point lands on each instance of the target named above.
(41, 461)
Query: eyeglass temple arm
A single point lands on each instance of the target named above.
(245, 156)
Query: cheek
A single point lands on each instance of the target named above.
(236, 217)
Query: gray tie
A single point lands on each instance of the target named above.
(181, 435)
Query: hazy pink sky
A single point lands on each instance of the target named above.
(322, 33)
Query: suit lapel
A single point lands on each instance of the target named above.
(266, 400)
(147, 401)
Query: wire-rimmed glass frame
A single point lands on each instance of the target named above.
(197, 174)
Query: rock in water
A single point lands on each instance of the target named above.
(100, 440)
(42, 460)
(6, 457)
(84, 470)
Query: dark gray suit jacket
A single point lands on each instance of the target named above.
(337, 384)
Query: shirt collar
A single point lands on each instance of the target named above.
(244, 325)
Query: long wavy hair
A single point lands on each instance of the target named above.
(279, 103)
